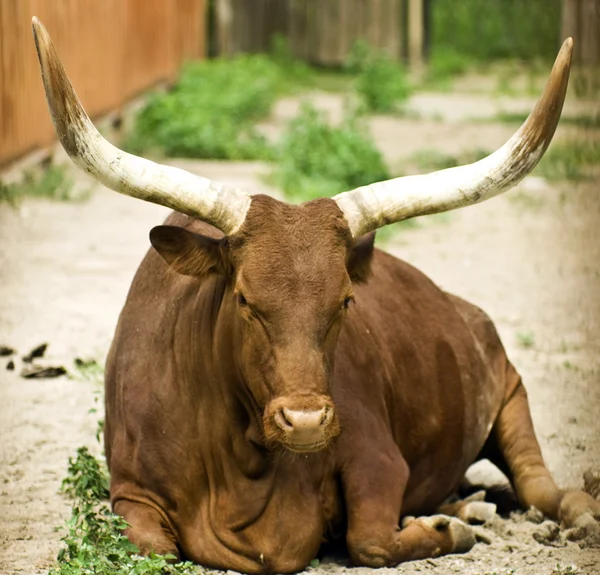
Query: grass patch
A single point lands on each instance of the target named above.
(94, 542)
(51, 183)
(494, 30)
(211, 110)
(445, 64)
(381, 83)
(428, 160)
(317, 160)
(581, 121)
(525, 339)
(570, 160)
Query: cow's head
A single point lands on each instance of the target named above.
(290, 269)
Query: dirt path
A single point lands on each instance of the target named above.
(530, 259)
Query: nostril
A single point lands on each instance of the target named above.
(327, 415)
(282, 421)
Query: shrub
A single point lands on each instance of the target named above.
(381, 82)
(316, 159)
(210, 111)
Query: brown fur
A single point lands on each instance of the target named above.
(418, 381)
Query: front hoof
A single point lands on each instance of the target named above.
(585, 529)
(580, 516)
(462, 536)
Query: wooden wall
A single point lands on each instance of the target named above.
(111, 49)
(581, 20)
(321, 32)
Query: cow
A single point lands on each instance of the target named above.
(276, 382)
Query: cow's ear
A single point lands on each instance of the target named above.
(359, 261)
(188, 253)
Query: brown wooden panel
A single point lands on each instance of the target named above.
(112, 50)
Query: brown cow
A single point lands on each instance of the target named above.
(279, 382)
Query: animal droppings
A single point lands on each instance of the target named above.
(36, 352)
(42, 372)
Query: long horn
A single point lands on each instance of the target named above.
(370, 207)
(223, 207)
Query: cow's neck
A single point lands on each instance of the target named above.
(246, 481)
(226, 410)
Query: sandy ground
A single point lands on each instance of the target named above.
(529, 258)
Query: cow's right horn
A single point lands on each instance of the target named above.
(370, 207)
(223, 207)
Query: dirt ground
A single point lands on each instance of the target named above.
(529, 258)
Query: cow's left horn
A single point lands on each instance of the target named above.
(223, 207)
(370, 207)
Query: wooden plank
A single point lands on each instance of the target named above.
(415, 33)
(590, 33)
(224, 24)
(111, 49)
(571, 25)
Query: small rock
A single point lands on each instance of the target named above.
(5, 351)
(10, 366)
(36, 352)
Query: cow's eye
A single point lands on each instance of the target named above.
(347, 302)
(242, 300)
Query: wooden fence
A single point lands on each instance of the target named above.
(581, 20)
(321, 32)
(111, 49)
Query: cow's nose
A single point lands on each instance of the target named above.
(303, 422)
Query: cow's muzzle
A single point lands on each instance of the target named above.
(301, 424)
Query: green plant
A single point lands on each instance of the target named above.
(94, 542)
(525, 339)
(211, 110)
(430, 159)
(581, 120)
(381, 82)
(444, 63)
(570, 160)
(316, 159)
(487, 30)
(52, 183)
(565, 569)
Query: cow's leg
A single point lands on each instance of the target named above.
(472, 509)
(148, 530)
(531, 479)
(374, 481)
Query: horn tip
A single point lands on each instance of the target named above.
(566, 50)
(36, 25)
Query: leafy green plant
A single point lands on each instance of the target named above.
(525, 339)
(444, 64)
(52, 183)
(316, 159)
(381, 82)
(488, 30)
(211, 110)
(581, 120)
(94, 542)
(570, 160)
(430, 159)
